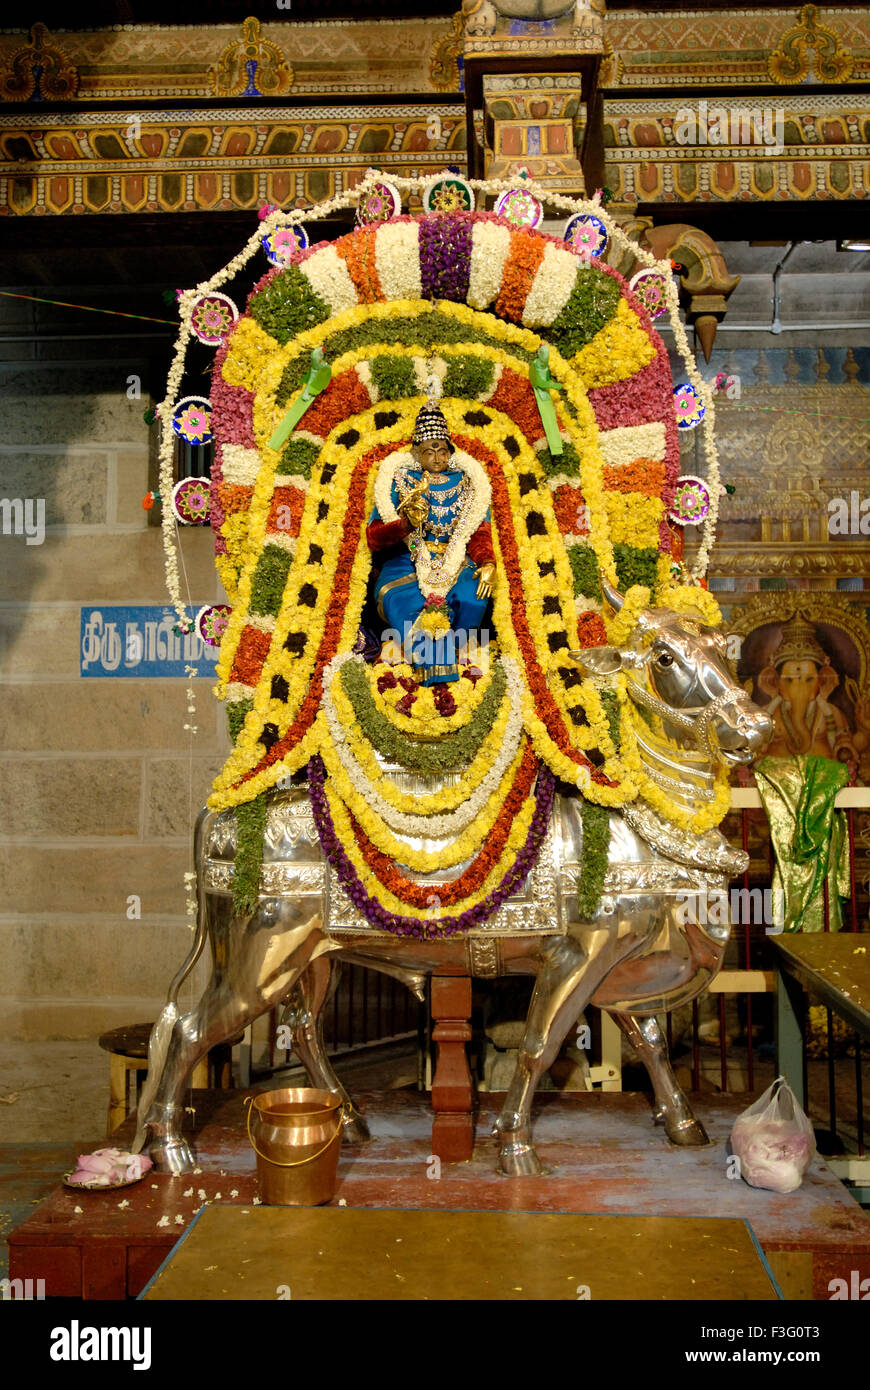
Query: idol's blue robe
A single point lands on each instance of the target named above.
(398, 594)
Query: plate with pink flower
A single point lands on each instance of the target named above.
(191, 420)
(284, 243)
(585, 234)
(108, 1168)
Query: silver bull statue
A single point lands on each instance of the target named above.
(637, 957)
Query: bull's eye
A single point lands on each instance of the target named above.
(664, 660)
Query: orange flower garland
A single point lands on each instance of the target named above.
(357, 250)
(521, 267)
(645, 476)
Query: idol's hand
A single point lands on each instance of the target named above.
(415, 511)
(485, 575)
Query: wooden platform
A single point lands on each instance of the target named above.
(602, 1151)
(315, 1253)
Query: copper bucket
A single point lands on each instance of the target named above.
(296, 1135)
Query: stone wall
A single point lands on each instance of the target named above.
(100, 782)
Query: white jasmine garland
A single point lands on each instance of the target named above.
(490, 244)
(239, 465)
(622, 446)
(397, 260)
(551, 288)
(329, 277)
(436, 576)
(441, 826)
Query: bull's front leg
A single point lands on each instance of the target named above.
(304, 1016)
(256, 961)
(672, 1108)
(566, 981)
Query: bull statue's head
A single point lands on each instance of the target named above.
(677, 668)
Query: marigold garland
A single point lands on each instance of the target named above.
(289, 530)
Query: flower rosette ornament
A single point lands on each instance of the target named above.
(191, 420)
(211, 622)
(284, 244)
(586, 235)
(212, 318)
(691, 502)
(688, 406)
(381, 203)
(650, 289)
(519, 207)
(191, 501)
(448, 193)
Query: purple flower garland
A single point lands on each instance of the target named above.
(445, 256)
(415, 926)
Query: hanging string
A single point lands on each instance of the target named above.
(88, 308)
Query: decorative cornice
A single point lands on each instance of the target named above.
(698, 49)
(183, 161)
(144, 63)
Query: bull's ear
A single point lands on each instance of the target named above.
(599, 661)
(636, 659)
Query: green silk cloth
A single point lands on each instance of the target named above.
(809, 838)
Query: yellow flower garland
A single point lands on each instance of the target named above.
(465, 846)
(516, 839)
(413, 803)
(468, 696)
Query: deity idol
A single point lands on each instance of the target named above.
(431, 538)
(800, 678)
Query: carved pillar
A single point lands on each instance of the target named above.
(531, 68)
(535, 121)
(452, 1086)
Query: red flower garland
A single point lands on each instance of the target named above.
(420, 895)
(516, 399)
(545, 706)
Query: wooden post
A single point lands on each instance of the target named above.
(452, 1086)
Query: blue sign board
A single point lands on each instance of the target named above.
(141, 642)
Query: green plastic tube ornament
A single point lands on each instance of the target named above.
(317, 380)
(542, 385)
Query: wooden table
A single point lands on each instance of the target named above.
(269, 1253)
(833, 966)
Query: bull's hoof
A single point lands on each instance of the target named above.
(687, 1133)
(519, 1160)
(355, 1128)
(174, 1156)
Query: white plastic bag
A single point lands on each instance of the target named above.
(774, 1140)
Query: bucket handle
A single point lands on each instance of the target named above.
(294, 1162)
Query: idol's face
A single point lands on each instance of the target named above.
(799, 682)
(433, 455)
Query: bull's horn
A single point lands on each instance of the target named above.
(613, 596)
